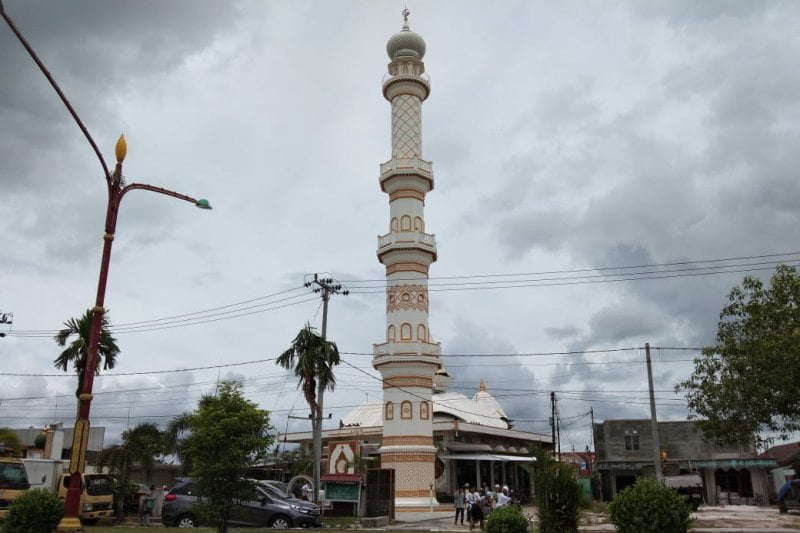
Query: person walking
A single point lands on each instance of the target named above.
(476, 509)
(459, 501)
(144, 517)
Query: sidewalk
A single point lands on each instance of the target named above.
(728, 519)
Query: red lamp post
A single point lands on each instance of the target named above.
(116, 191)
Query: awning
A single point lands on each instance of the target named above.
(489, 457)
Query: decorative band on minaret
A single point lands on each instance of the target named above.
(408, 359)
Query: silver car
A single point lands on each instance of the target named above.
(265, 509)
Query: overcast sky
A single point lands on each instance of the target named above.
(564, 136)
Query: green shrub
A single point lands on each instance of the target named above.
(558, 497)
(506, 520)
(649, 507)
(36, 511)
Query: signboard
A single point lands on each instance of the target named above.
(341, 457)
(342, 492)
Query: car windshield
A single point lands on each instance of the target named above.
(99, 485)
(13, 476)
(273, 491)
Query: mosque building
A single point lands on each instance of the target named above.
(434, 440)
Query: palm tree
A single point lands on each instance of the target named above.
(312, 358)
(141, 444)
(78, 350)
(174, 437)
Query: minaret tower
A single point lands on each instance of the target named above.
(408, 359)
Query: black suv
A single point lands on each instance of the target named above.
(264, 509)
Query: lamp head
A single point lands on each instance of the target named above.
(202, 203)
(121, 149)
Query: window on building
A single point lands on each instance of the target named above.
(424, 414)
(405, 410)
(631, 441)
(389, 411)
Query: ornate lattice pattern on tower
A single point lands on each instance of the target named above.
(406, 297)
(406, 126)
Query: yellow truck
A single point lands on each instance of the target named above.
(13, 479)
(97, 496)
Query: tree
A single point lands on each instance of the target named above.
(228, 435)
(139, 445)
(747, 383)
(78, 351)
(11, 441)
(312, 358)
(174, 438)
(558, 494)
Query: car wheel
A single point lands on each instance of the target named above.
(782, 507)
(280, 522)
(186, 520)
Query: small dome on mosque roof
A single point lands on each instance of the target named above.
(405, 42)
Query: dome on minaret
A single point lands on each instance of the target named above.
(406, 42)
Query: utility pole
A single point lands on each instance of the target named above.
(325, 287)
(558, 433)
(553, 419)
(6, 318)
(653, 419)
(596, 456)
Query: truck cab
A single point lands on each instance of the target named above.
(97, 496)
(13, 479)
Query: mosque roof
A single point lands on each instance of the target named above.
(406, 42)
(482, 409)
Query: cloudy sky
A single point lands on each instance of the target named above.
(573, 143)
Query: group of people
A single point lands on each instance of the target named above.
(477, 504)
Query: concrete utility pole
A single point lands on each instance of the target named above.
(6, 318)
(553, 420)
(325, 287)
(596, 456)
(653, 419)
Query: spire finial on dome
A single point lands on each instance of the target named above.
(406, 42)
(482, 386)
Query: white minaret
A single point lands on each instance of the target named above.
(408, 359)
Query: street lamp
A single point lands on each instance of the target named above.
(116, 191)
(80, 437)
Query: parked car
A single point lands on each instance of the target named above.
(281, 488)
(789, 496)
(264, 509)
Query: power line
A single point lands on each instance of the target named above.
(579, 280)
(594, 269)
(226, 365)
(194, 323)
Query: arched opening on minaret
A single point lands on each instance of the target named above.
(388, 413)
(393, 226)
(419, 225)
(405, 332)
(405, 410)
(391, 334)
(422, 333)
(405, 223)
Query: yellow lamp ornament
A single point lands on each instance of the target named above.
(121, 149)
